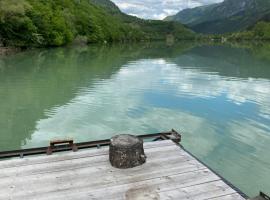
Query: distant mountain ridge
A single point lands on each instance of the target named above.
(227, 16)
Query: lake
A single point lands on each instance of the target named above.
(217, 96)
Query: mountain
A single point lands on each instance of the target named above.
(42, 23)
(152, 29)
(107, 4)
(227, 16)
(265, 17)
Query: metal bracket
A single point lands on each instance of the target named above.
(175, 136)
(61, 142)
(262, 196)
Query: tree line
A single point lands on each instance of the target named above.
(41, 23)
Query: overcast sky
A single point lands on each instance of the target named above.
(158, 9)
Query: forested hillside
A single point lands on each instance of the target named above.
(259, 31)
(41, 23)
(224, 17)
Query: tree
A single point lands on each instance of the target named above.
(16, 27)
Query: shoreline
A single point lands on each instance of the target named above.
(4, 51)
(10, 50)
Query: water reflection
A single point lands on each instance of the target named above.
(219, 96)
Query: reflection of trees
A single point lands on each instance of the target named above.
(262, 52)
(258, 49)
(35, 81)
(228, 61)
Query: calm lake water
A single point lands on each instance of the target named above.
(217, 96)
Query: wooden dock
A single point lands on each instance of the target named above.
(169, 173)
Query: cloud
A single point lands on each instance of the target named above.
(158, 9)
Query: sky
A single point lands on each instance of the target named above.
(158, 9)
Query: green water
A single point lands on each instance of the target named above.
(217, 96)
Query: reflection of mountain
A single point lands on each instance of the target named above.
(226, 61)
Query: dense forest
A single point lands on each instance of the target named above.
(42, 23)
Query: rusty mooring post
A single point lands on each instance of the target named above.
(126, 151)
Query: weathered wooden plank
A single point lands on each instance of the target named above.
(158, 144)
(105, 170)
(66, 156)
(42, 184)
(198, 192)
(31, 160)
(61, 156)
(113, 189)
(153, 154)
(233, 196)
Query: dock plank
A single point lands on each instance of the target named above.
(169, 173)
(106, 169)
(164, 154)
(198, 192)
(31, 160)
(111, 189)
(233, 196)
